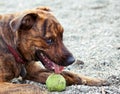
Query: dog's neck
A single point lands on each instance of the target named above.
(8, 39)
(15, 54)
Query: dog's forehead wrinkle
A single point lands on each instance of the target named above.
(54, 28)
(44, 27)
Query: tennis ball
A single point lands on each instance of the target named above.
(56, 82)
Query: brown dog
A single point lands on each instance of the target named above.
(34, 35)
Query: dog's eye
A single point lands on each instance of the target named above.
(49, 41)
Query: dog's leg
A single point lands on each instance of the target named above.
(36, 73)
(10, 69)
(73, 78)
(9, 88)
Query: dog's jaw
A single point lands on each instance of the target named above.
(49, 64)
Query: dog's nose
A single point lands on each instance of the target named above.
(69, 60)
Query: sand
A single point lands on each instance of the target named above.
(92, 34)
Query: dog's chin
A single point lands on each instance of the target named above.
(48, 64)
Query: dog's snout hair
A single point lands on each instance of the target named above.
(65, 57)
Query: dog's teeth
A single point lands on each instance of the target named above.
(43, 57)
(36, 48)
(42, 54)
(46, 60)
(53, 67)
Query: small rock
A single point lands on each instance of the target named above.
(84, 89)
(79, 62)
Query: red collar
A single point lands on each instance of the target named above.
(13, 51)
(18, 59)
(15, 54)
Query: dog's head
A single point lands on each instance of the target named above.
(40, 37)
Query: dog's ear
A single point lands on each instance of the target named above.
(45, 8)
(24, 22)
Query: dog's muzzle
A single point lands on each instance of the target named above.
(68, 61)
(51, 65)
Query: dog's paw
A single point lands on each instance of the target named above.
(94, 82)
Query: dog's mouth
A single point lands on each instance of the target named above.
(48, 63)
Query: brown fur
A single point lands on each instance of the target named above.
(27, 32)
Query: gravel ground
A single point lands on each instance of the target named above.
(92, 34)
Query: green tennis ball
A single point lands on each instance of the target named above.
(56, 82)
